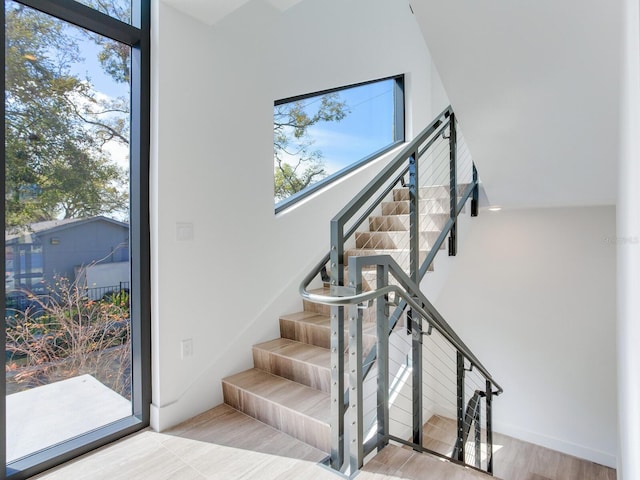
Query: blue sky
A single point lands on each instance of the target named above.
(103, 84)
(91, 68)
(367, 128)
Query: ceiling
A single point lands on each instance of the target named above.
(212, 11)
(535, 85)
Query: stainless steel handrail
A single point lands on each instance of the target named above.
(352, 207)
(437, 125)
(375, 184)
(407, 294)
(411, 295)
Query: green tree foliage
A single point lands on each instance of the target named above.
(57, 125)
(114, 57)
(296, 163)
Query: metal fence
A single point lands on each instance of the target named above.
(111, 292)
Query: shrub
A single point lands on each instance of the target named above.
(64, 334)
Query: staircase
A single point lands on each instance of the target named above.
(350, 378)
(289, 386)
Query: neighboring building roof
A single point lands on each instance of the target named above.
(52, 226)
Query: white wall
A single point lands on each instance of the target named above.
(213, 95)
(538, 79)
(628, 219)
(532, 293)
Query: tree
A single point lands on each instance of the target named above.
(57, 125)
(114, 57)
(296, 163)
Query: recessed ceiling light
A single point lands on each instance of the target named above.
(495, 208)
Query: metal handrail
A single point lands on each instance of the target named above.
(378, 181)
(401, 307)
(352, 207)
(413, 297)
(407, 295)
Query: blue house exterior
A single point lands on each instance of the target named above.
(58, 248)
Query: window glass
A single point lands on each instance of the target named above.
(119, 9)
(319, 136)
(67, 188)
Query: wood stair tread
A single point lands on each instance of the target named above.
(400, 255)
(309, 327)
(289, 385)
(281, 391)
(295, 409)
(315, 329)
(428, 205)
(394, 239)
(317, 308)
(307, 317)
(401, 462)
(380, 251)
(406, 215)
(433, 222)
(321, 291)
(429, 192)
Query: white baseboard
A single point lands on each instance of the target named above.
(167, 416)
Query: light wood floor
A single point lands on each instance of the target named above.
(226, 444)
(514, 459)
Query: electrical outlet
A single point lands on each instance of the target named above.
(186, 348)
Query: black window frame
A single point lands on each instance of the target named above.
(399, 131)
(139, 40)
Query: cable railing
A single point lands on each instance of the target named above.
(419, 385)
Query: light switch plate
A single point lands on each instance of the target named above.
(184, 231)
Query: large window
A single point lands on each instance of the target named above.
(322, 136)
(76, 135)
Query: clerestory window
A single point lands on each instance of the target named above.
(322, 136)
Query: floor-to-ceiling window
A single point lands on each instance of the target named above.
(76, 296)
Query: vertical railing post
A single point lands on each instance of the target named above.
(356, 421)
(460, 381)
(337, 350)
(477, 431)
(489, 427)
(382, 331)
(414, 218)
(416, 366)
(413, 320)
(413, 228)
(476, 193)
(453, 184)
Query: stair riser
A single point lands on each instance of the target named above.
(302, 427)
(317, 335)
(368, 314)
(433, 223)
(305, 373)
(316, 307)
(400, 256)
(425, 207)
(440, 192)
(388, 240)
